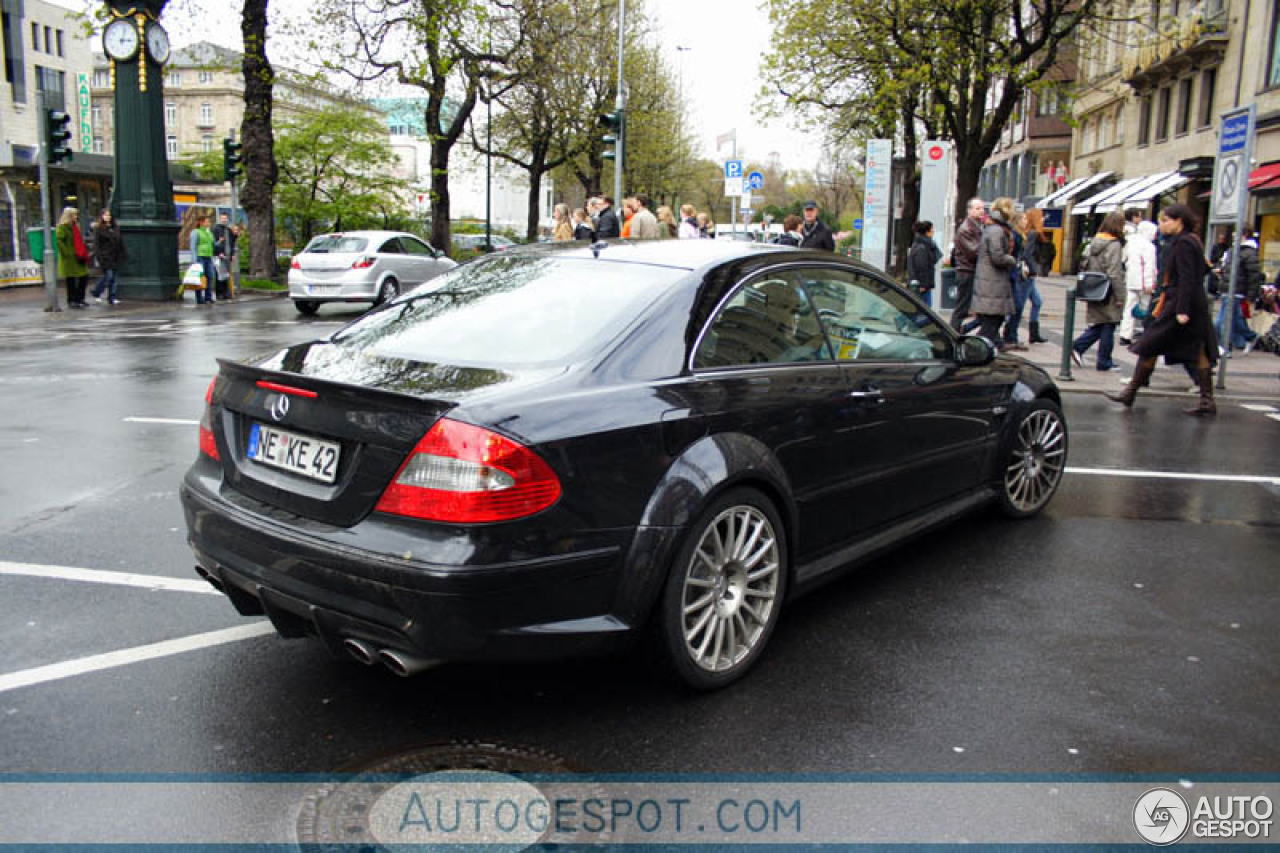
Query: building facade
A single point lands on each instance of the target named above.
(1153, 83)
(47, 63)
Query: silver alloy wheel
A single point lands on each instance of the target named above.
(730, 588)
(1037, 461)
(389, 290)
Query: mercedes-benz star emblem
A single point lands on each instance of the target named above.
(280, 407)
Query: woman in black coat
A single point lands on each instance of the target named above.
(109, 253)
(1182, 329)
(922, 260)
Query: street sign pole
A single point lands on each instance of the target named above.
(1228, 203)
(47, 262)
(620, 103)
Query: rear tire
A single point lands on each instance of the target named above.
(388, 290)
(724, 591)
(306, 307)
(1032, 467)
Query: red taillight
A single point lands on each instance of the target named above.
(208, 446)
(296, 265)
(286, 389)
(466, 474)
(364, 263)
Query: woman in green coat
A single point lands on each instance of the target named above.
(73, 257)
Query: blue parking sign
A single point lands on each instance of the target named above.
(733, 168)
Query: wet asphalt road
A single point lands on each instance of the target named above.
(1130, 628)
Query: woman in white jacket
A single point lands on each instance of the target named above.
(1139, 274)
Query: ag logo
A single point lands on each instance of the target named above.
(1161, 816)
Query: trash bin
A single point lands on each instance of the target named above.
(35, 242)
(948, 299)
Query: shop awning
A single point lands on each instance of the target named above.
(1063, 196)
(1265, 178)
(1169, 181)
(1105, 200)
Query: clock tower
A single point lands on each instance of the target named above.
(137, 48)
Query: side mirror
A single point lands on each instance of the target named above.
(974, 351)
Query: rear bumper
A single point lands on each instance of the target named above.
(309, 581)
(331, 289)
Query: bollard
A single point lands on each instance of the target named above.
(1068, 335)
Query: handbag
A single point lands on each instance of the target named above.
(1093, 286)
(221, 270)
(194, 278)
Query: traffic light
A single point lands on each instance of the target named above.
(616, 123)
(59, 125)
(230, 159)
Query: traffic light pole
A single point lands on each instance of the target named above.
(233, 256)
(620, 105)
(47, 268)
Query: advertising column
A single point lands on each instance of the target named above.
(875, 208)
(936, 191)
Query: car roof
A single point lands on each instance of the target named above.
(371, 235)
(683, 254)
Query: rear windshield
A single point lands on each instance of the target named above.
(505, 311)
(336, 243)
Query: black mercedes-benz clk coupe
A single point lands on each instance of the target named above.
(555, 450)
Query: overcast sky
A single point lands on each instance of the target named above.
(726, 40)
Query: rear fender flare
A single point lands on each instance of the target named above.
(703, 470)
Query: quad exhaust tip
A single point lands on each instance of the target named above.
(403, 664)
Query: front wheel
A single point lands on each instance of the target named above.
(306, 307)
(389, 290)
(1036, 460)
(724, 592)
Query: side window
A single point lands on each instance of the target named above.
(869, 320)
(416, 247)
(769, 321)
(391, 247)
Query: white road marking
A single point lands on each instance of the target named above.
(174, 421)
(71, 573)
(1257, 407)
(137, 654)
(1274, 417)
(1176, 475)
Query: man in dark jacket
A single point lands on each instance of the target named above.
(813, 233)
(607, 225)
(964, 258)
(1248, 286)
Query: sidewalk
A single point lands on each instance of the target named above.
(24, 307)
(1252, 377)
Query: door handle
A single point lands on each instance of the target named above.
(872, 394)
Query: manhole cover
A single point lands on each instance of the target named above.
(458, 793)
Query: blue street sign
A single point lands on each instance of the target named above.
(857, 225)
(733, 168)
(755, 181)
(1235, 133)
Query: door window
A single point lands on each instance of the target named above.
(768, 321)
(867, 319)
(414, 246)
(391, 247)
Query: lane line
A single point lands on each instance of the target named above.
(1175, 475)
(1274, 417)
(137, 654)
(174, 421)
(1257, 407)
(72, 573)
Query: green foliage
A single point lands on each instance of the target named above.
(262, 284)
(335, 173)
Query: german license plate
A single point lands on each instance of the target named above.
(300, 454)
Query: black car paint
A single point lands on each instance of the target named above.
(641, 443)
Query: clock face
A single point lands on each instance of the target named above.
(158, 43)
(120, 39)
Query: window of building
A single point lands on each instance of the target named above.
(14, 70)
(206, 114)
(1208, 82)
(1104, 130)
(206, 143)
(101, 79)
(35, 36)
(1273, 69)
(1162, 112)
(98, 146)
(173, 78)
(97, 116)
(48, 39)
(1119, 124)
(171, 147)
(171, 114)
(1091, 135)
(205, 76)
(52, 84)
(1184, 106)
(58, 39)
(1144, 121)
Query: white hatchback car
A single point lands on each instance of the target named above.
(361, 266)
